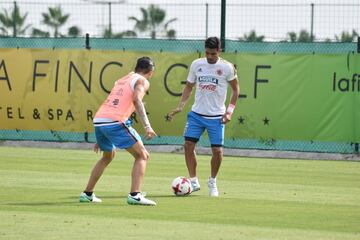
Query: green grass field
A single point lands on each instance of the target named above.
(260, 198)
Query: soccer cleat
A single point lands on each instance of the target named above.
(213, 191)
(195, 185)
(92, 198)
(139, 199)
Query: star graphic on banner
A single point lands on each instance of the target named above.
(167, 118)
(266, 121)
(241, 120)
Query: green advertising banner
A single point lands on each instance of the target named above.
(310, 97)
(297, 97)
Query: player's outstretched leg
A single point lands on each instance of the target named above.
(141, 157)
(87, 195)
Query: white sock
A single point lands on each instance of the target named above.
(194, 179)
(212, 180)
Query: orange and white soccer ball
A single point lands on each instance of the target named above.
(181, 186)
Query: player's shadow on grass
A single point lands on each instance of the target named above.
(71, 200)
(173, 196)
(40, 203)
(149, 196)
(59, 201)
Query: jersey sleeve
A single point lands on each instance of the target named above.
(232, 72)
(192, 76)
(133, 82)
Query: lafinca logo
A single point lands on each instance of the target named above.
(346, 84)
(207, 79)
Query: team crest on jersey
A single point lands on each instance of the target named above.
(199, 70)
(219, 72)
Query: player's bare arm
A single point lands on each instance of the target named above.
(184, 98)
(140, 89)
(235, 93)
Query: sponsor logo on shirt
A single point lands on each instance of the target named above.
(207, 87)
(207, 79)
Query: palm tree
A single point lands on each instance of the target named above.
(55, 19)
(304, 36)
(346, 36)
(14, 23)
(252, 37)
(152, 22)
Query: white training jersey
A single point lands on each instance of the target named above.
(211, 85)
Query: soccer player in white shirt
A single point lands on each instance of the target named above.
(210, 76)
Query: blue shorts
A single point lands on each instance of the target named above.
(196, 125)
(115, 135)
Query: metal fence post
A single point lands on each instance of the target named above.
(223, 22)
(87, 41)
(356, 145)
(15, 20)
(207, 20)
(86, 137)
(312, 23)
(110, 30)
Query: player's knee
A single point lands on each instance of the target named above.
(143, 155)
(218, 153)
(189, 146)
(108, 156)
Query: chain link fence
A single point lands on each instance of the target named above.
(181, 46)
(259, 27)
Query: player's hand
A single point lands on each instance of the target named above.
(150, 133)
(226, 118)
(171, 114)
(96, 148)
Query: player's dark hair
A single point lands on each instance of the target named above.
(213, 43)
(144, 65)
